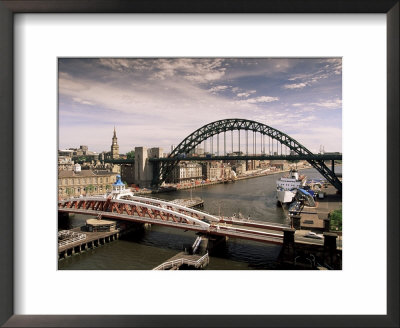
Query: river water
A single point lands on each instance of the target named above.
(144, 250)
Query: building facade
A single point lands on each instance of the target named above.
(216, 171)
(85, 182)
(187, 171)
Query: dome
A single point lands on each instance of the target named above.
(118, 182)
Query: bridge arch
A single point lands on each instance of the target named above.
(214, 128)
(105, 206)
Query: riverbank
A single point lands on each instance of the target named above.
(146, 249)
(210, 183)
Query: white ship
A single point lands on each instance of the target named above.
(286, 186)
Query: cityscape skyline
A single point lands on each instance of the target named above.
(158, 102)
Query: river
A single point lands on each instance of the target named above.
(146, 249)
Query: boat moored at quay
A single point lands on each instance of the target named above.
(286, 186)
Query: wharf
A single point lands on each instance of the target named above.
(210, 183)
(331, 201)
(195, 202)
(92, 240)
(182, 258)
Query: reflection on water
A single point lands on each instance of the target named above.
(144, 250)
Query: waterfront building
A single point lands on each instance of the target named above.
(187, 171)
(279, 165)
(216, 171)
(212, 170)
(239, 167)
(264, 164)
(84, 182)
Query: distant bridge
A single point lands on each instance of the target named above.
(163, 168)
(155, 211)
(273, 149)
(301, 157)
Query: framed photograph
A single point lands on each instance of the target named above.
(94, 82)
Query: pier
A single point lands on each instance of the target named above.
(94, 234)
(84, 240)
(190, 258)
(190, 203)
(180, 259)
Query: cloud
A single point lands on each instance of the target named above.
(331, 67)
(295, 86)
(330, 104)
(191, 69)
(243, 94)
(158, 102)
(83, 102)
(218, 88)
(246, 94)
(262, 99)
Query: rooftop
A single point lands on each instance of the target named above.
(83, 173)
(97, 222)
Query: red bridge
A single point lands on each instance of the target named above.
(156, 211)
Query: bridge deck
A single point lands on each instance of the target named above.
(254, 223)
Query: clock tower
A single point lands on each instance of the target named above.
(114, 146)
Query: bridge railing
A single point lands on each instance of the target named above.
(181, 261)
(202, 226)
(196, 244)
(139, 198)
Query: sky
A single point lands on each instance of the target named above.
(157, 102)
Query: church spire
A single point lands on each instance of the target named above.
(114, 146)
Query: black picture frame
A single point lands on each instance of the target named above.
(10, 7)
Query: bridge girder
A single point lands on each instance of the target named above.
(214, 128)
(133, 207)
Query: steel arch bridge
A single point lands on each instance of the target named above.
(222, 126)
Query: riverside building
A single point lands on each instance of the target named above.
(84, 182)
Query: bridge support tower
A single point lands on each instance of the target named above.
(295, 221)
(63, 215)
(215, 242)
(330, 252)
(288, 251)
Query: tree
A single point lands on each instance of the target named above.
(108, 187)
(130, 155)
(89, 188)
(69, 191)
(335, 222)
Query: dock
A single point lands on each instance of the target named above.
(80, 241)
(193, 260)
(191, 203)
(182, 258)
